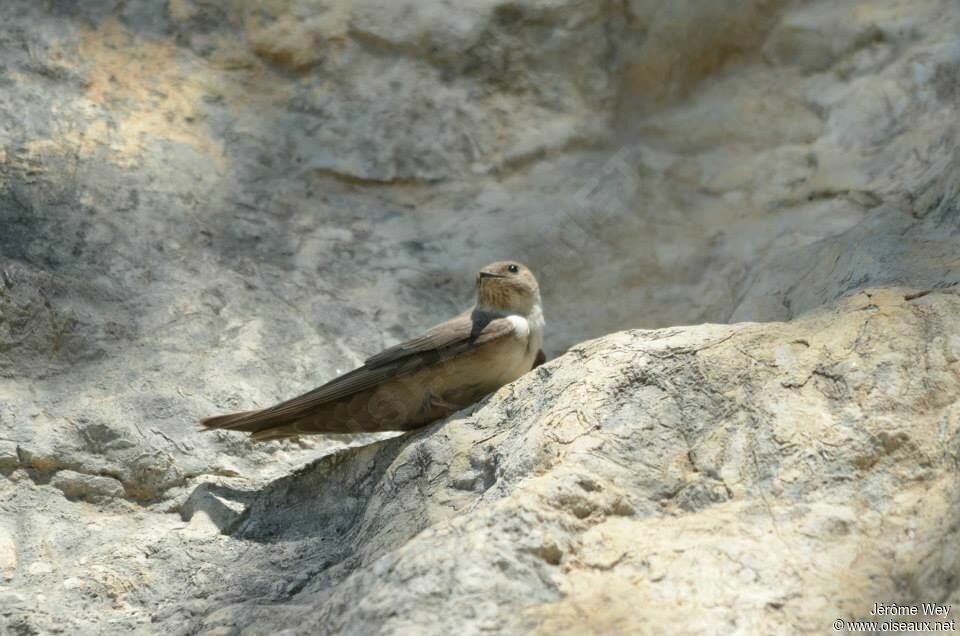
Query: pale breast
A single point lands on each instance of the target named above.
(521, 327)
(517, 356)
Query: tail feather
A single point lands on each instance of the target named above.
(243, 421)
(263, 425)
(278, 432)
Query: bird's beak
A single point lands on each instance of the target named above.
(491, 275)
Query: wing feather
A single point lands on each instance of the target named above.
(444, 341)
(438, 338)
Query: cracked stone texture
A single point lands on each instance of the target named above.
(213, 206)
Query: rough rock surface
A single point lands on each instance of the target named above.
(211, 206)
(752, 477)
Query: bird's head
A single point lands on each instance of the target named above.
(507, 286)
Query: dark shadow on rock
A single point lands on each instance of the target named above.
(223, 505)
(322, 500)
(303, 530)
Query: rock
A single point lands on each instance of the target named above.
(660, 461)
(39, 568)
(209, 207)
(9, 458)
(88, 487)
(8, 554)
(764, 455)
(11, 599)
(73, 583)
(213, 507)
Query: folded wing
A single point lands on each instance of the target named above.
(445, 341)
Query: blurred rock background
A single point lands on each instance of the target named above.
(213, 206)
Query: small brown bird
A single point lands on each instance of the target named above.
(416, 382)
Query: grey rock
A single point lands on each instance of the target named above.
(8, 555)
(760, 454)
(207, 207)
(88, 487)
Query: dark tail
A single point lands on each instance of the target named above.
(262, 425)
(243, 421)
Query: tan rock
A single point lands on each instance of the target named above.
(8, 554)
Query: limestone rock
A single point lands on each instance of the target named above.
(89, 487)
(8, 554)
(208, 207)
(632, 475)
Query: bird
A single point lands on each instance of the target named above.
(409, 385)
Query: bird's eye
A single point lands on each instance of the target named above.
(513, 269)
